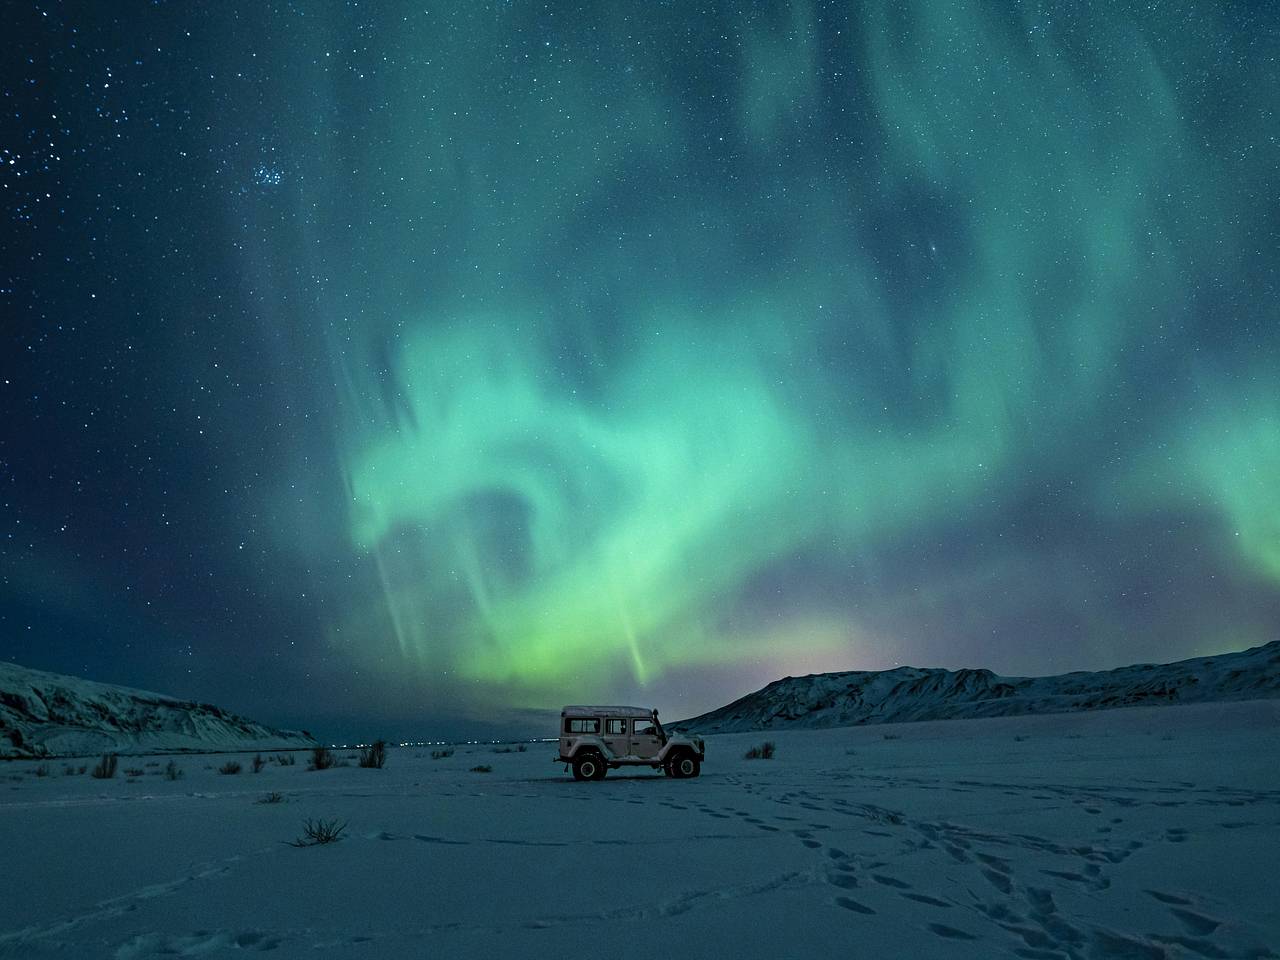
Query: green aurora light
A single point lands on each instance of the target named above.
(886, 266)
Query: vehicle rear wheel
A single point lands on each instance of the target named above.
(683, 765)
(588, 766)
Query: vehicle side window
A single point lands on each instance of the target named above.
(644, 728)
(582, 725)
(615, 727)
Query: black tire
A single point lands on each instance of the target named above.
(588, 766)
(683, 765)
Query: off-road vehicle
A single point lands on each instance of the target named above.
(595, 739)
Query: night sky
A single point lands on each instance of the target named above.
(397, 368)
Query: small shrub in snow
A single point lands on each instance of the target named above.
(321, 759)
(374, 756)
(258, 763)
(134, 772)
(106, 767)
(483, 768)
(441, 754)
(319, 831)
(273, 797)
(762, 752)
(172, 771)
(892, 736)
(1019, 738)
(69, 771)
(42, 770)
(229, 768)
(83, 768)
(286, 759)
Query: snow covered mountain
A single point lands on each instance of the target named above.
(47, 714)
(910, 693)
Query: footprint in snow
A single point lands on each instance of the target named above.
(956, 853)
(995, 863)
(1196, 923)
(949, 933)
(850, 904)
(931, 901)
(890, 882)
(998, 880)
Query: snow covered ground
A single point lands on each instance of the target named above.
(1137, 833)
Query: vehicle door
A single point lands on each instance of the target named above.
(645, 741)
(615, 736)
(574, 728)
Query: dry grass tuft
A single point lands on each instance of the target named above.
(322, 758)
(106, 767)
(315, 832)
(374, 756)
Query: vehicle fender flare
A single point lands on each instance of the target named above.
(669, 749)
(590, 743)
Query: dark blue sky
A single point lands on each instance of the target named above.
(372, 367)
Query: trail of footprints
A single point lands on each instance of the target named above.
(1019, 907)
(1027, 912)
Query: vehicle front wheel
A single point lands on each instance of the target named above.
(588, 767)
(682, 766)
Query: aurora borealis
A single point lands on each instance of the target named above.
(420, 364)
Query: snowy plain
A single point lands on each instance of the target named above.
(1146, 832)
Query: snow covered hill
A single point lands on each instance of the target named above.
(910, 693)
(47, 714)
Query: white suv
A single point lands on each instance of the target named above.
(593, 739)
